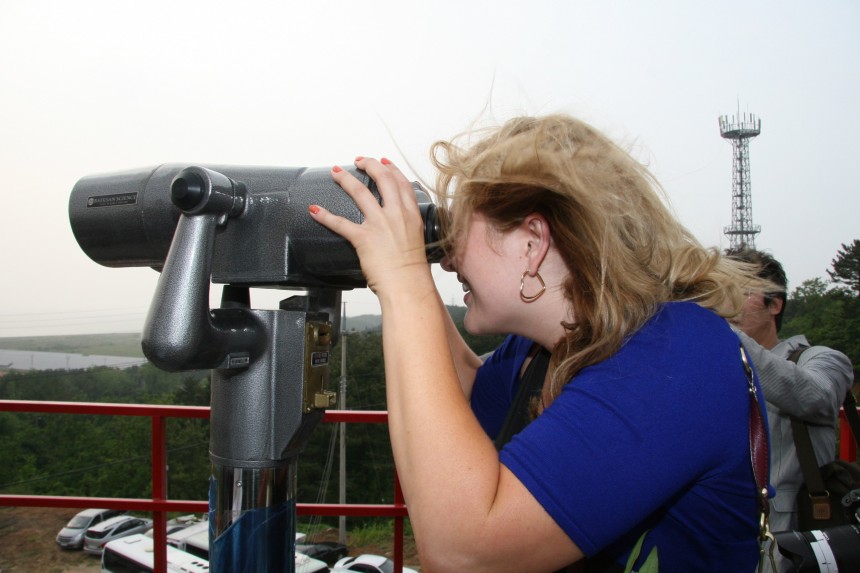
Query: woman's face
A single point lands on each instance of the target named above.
(489, 266)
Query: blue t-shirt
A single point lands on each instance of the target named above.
(655, 438)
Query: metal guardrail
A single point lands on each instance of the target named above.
(159, 505)
(847, 443)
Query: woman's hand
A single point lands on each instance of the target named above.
(390, 241)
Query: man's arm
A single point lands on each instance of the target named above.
(813, 389)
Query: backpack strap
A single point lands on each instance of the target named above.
(531, 384)
(818, 493)
(795, 355)
(849, 404)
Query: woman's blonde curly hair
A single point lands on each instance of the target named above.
(625, 251)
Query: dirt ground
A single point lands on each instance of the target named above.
(27, 543)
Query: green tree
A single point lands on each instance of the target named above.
(826, 317)
(107, 456)
(846, 267)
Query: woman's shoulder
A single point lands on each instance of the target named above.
(689, 309)
(680, 336)
(684, 318)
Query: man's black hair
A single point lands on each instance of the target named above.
(770, 269)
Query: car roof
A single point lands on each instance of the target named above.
(376, 560)
(186, 532)
(109, 523)
(91, 512)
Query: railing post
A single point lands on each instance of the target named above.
(847, 445)
(159, 506)
(159, 492)
(398, 526)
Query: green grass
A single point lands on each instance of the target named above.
(373, 532)
(378, 532)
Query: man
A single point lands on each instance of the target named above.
(812, 389)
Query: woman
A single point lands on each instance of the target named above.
(560, 238)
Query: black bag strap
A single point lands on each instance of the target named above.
(806, 457)
(795, 355)
(818, 492)
(805, 452)
(531, 384)
(849, 404)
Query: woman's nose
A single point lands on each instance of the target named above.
(447, 264)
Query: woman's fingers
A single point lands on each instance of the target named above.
(389, 241)
(395, 191)
(332, 222)
(394, 187)
(357, 190)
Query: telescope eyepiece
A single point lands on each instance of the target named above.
(433, 231)
(187, 190)
(198, 190)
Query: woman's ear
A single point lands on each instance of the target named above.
(537, 232)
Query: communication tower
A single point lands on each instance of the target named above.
(740, 130)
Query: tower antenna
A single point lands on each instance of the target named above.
(740, 129)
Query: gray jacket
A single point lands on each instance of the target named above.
(813, 390)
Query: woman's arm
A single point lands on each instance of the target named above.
(469, 512)
(466, 362)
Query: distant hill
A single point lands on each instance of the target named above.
(114, 344)
(374, 321)
(128, 343)
(363, 322)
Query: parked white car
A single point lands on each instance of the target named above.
(72, 535)
(181, 522)
(195, 540)
(367, 564)
(135, 553)
(121, 526)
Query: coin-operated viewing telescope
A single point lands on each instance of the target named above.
(242, 227)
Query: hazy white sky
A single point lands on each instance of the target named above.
(94, 86)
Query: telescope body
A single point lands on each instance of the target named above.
(128, 219)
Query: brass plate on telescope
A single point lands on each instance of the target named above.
(316, 370)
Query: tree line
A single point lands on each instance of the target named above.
(828, 311)
(106, 456)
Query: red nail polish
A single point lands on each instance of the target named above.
(336, 169)
(358, 158)
(314, 209)
(385, 161)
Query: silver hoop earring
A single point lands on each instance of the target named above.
(534, 297)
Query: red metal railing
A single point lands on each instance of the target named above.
(159, 505)
(847, 443)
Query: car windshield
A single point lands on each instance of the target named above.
(78, 522)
